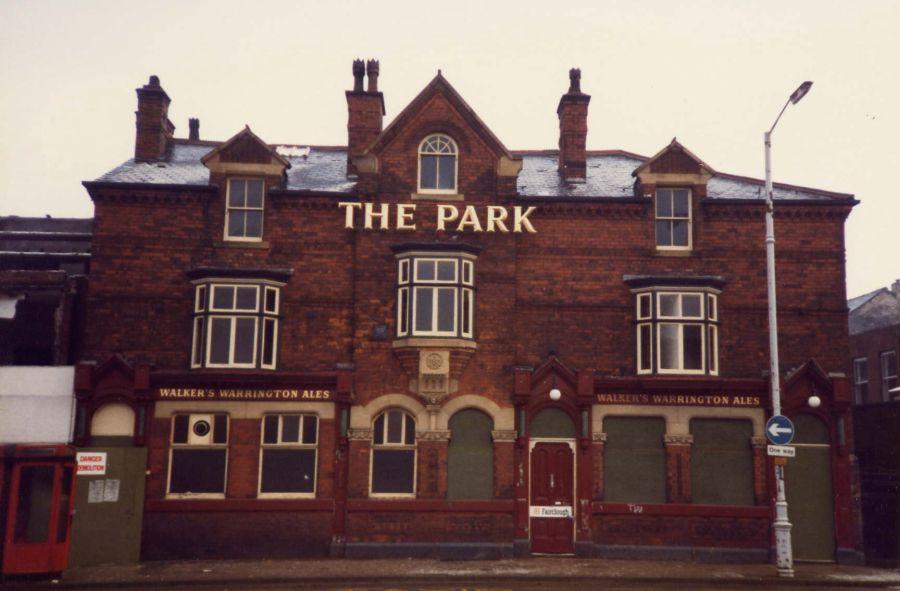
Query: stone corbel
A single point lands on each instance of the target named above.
(678, 439)
(434, 436)
(359, 434)
(598, 438)
(504, 435)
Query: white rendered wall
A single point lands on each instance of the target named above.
(36, 404)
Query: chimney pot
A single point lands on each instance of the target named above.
(575, 81)
(359, 70)
(372, 73)
(194, 127)
(154, 80)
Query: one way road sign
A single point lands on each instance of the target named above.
(780, 430)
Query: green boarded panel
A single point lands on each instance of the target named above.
(106, 528)
(470, 457)
(552, 422)
(634, 466)
(810, 429)
(721, 462)
(811, 503)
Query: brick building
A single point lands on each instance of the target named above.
(874, 347)
(424, 343)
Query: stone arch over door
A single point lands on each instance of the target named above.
(113, 419)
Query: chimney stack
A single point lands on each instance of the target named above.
(154, 130)
(572, 112)
(194, 127)
(365, 111)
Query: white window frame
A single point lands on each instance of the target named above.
(673, 218)
(885, 376)
(455, 154)
(260, 314)
(396, 447)
(707, 320)
(411, 284)
(229, 208)
(860, 378)
(173, 446)
(290, 445)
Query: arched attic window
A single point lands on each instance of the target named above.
(437, 164)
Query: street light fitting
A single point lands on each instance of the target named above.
(801, 92)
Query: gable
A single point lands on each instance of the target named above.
(245, 153)
(674, 164)
(439, 108)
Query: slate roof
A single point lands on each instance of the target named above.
(324, 170)
(33, 236)
(875, 309)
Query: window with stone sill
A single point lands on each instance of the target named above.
(437, 165)
(198, 455)
(244, 209)
(436, 295)
(393, 467)
(677, 332)
(235, 324)
(673, 219)
(288, 455)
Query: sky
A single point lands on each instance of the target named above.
(715, 74)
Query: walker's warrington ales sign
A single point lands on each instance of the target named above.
(492, 218)
(680, 399)
(244, 394)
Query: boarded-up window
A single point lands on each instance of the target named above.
(721, 462)
(634, 467)
(199, 454)
(470, 459)
(394, 453)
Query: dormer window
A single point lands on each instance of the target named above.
(244, 210)
(673, 219)
(437, 165)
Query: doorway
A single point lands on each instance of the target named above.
(39, 517)
(552, 497)
(808, 487)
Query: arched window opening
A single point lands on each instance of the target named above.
(437, 164)
(470, 458)
(394, 454)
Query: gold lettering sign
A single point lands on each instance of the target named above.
(490, 218)
(248, 394)
(680, 399)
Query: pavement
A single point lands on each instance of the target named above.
(527, 573)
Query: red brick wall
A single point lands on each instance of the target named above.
(871, 344)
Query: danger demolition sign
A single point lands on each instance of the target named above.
(91, 463)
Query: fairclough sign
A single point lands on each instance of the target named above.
(402, 216)
(680, 399)
(241, 394)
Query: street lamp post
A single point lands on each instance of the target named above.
(784, 558)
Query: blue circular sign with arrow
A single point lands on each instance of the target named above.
(780, 430)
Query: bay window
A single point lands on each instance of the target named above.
(235, 325)
(435, 295)
(677, 332)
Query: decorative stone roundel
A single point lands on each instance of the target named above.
(434, 361)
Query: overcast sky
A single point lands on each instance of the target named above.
(714, 74)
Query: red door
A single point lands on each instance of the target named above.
(552, 494)
(39, 518)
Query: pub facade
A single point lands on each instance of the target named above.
(425, 344)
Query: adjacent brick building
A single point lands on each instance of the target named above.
(424, 343)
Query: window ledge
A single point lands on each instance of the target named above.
(259, 245)
(437, 197)
(679, 253)
(434, 342)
